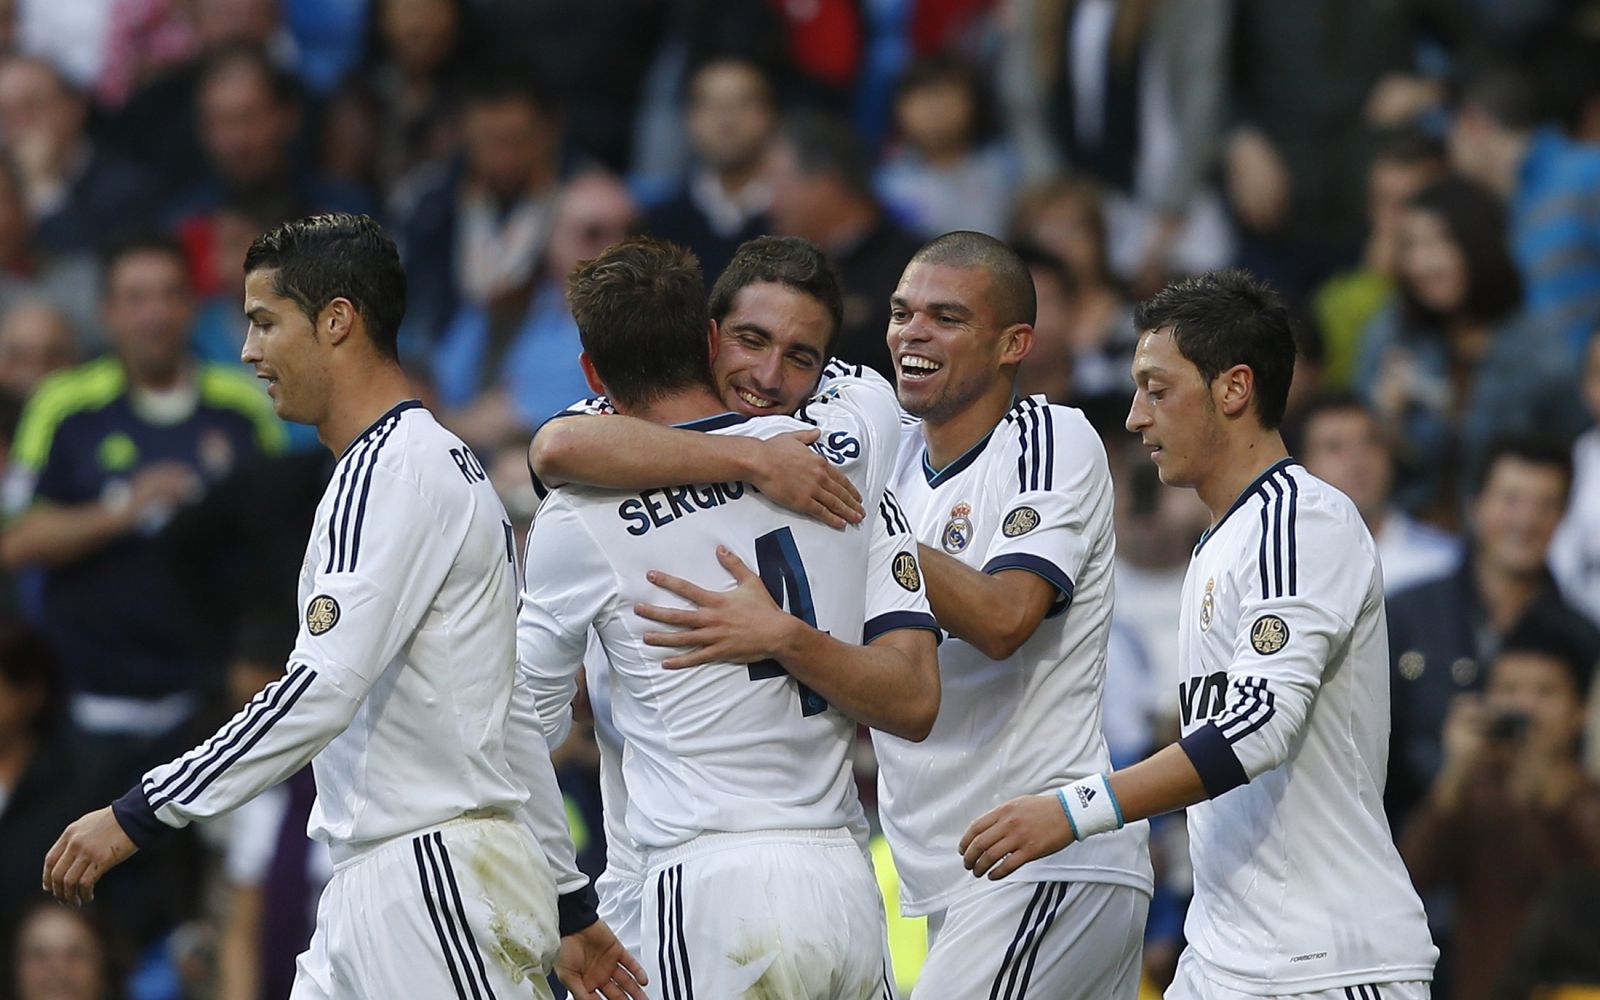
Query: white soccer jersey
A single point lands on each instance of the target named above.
(723, 747)
(1285, 713)
(1033, 495)
(402, 673)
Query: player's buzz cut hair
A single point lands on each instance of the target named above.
(1225, 318)
(782, 260)
(1011, 291)
(325, 257)
(642, 317)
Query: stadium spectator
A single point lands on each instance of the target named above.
(1455, 363)
(475, 230)
(416, 70)
(945, 169)
(1048, 368)
(1575, 551)
(34, 341)
(1343, 443)
(104, 455)
(1547, 173)
(80, 195)
(1442, 632)
(1510, 811)
(1403, 163)
(1555, 957)
(63, 954)
(822, 190)
(732, 116)
(501, 369)
(1132, 95)
(71, 283)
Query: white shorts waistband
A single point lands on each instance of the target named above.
(347, 854)
(712, 843)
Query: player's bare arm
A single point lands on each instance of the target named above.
(890, 684)
(995, 612)
(1034, 826)
(624, 452)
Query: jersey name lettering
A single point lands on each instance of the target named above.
(659, 508)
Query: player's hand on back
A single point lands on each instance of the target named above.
(792, 474)
(594, 964)
(742, 625)
(1011, 835)
(93, 845)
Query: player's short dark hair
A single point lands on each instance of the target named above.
(642, 317)
(1220, 319)
(320, 258)
(1532, 449)
(1011, 291)
(138, 245)
(1476, 222)
(1558, 633)
(281, 85)
(823, 144)
(790, 261)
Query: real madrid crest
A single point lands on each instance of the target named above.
(906, 573)
(1207, 605)
(958, 530)
(321, 614)
(1020, 522)
(1269, 634)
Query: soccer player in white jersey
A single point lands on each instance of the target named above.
(740, 795)
(447, 871)
(1299, 890)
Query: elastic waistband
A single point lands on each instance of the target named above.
(345, 855)
(712, 843)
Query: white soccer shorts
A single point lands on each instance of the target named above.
(1190, 983)
(466, 911)
(1022, 940)
(781, 914)
(621, 903)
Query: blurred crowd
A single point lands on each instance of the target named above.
(1421, 178)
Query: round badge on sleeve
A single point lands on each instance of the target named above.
(1269, 634)
(1020, 522)
(321, 614)
(906, 573)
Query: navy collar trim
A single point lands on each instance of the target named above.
(393, 411)
(937, 476)
(713, 423)
(1249, 491)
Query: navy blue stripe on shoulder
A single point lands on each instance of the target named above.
(366, 488)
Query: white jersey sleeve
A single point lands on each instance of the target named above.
(858, 417)
(1297, 608)
(378, 581)
(896, 595)
(1043, 526)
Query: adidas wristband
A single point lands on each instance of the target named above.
(1090, 806)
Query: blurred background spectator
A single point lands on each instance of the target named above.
(1420, 177)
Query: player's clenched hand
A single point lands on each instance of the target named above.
(594, 964)
(791, 473)
(741, 625)
(86, 850)
(1009, 836)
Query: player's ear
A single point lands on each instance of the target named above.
(590, 375)
(337, 320)
(1233, 389)
(716, 341)
(1015, 343)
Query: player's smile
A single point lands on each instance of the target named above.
(913, 367)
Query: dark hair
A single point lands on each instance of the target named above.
(281, 84)
(946, 68)
(1329, 401)
(1034, 256)
(1011, 291)
(826, 145)
(325, 257)
(1476, 222)
(114, 960)
(769, 83)
(1556, 632)
(641, 313)
(137, 245)
(1506, 96)
(1225, 318)
(1408, 146)
(1569, 80)
(784, 260)
(27, 661)
(1533, 450)
(498, 83)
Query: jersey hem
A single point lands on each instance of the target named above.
(1377, 975)
(1075, 873)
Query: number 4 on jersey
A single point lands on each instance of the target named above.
(778, 564)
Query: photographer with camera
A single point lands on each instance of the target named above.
(1511, 809)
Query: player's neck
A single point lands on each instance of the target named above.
(358, 406)
(949, 439)
(1240, 464)
(678, 408)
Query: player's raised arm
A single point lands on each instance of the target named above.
(368, 598)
